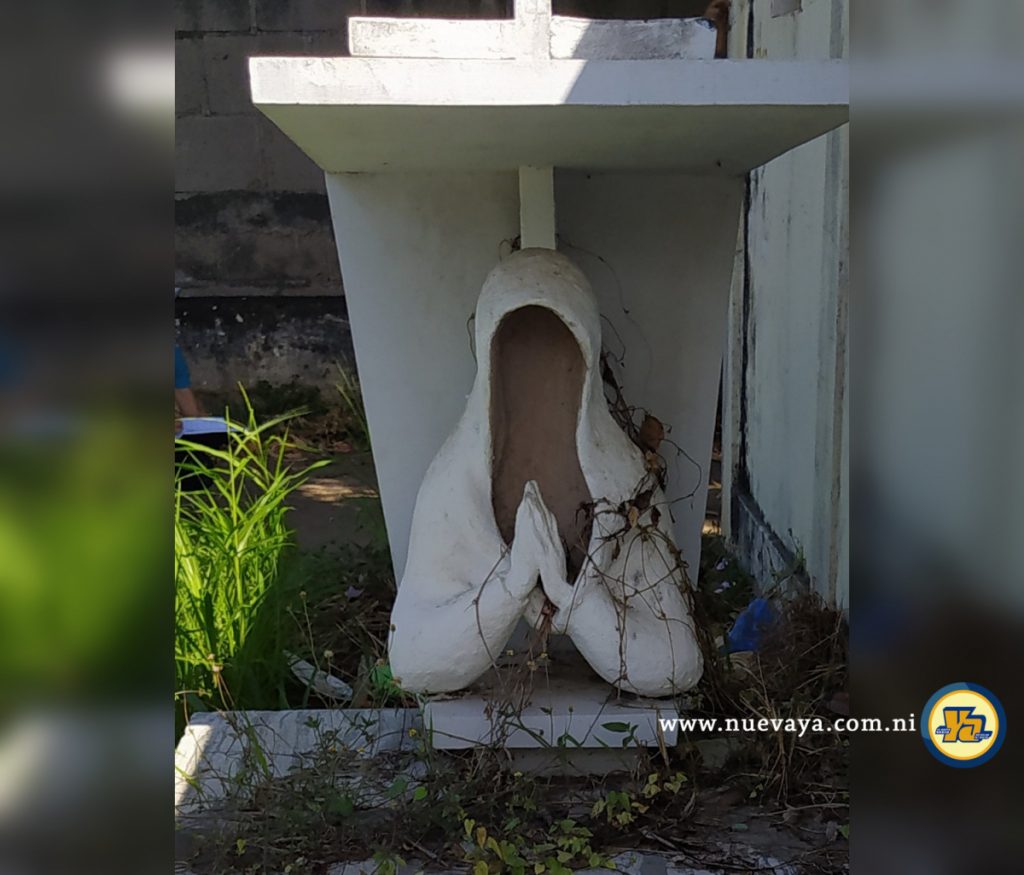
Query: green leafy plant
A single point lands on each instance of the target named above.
(618, 808)
(567, 844)
(628, 731)
(229, 537)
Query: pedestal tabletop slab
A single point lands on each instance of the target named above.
(392, 114)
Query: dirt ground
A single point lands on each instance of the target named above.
(330, 509)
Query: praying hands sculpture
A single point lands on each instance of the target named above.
(521, 513)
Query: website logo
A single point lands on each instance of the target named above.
(963, 725)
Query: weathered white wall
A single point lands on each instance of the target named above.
(786, 369)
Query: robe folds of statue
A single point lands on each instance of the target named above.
(520, 515)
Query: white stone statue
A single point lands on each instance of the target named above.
(524, 511)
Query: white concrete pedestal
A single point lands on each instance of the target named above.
(448, 144)
(561, 707)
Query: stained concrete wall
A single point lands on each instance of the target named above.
(261, 292)
(248, 340)
(785, 401)
(250, 205)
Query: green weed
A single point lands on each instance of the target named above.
(352, 406)
(229, 538)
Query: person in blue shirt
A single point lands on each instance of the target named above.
(184, 399)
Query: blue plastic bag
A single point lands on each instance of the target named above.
(748, 630)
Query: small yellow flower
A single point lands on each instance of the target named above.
(413, 733)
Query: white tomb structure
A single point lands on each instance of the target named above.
(623, 145)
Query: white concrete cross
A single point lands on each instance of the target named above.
(534, 34)
(535, 37)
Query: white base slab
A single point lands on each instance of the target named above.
(569, 708)
(217, 747)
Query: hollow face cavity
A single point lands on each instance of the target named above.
(537, 376)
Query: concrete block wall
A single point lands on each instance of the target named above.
(251, 207)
